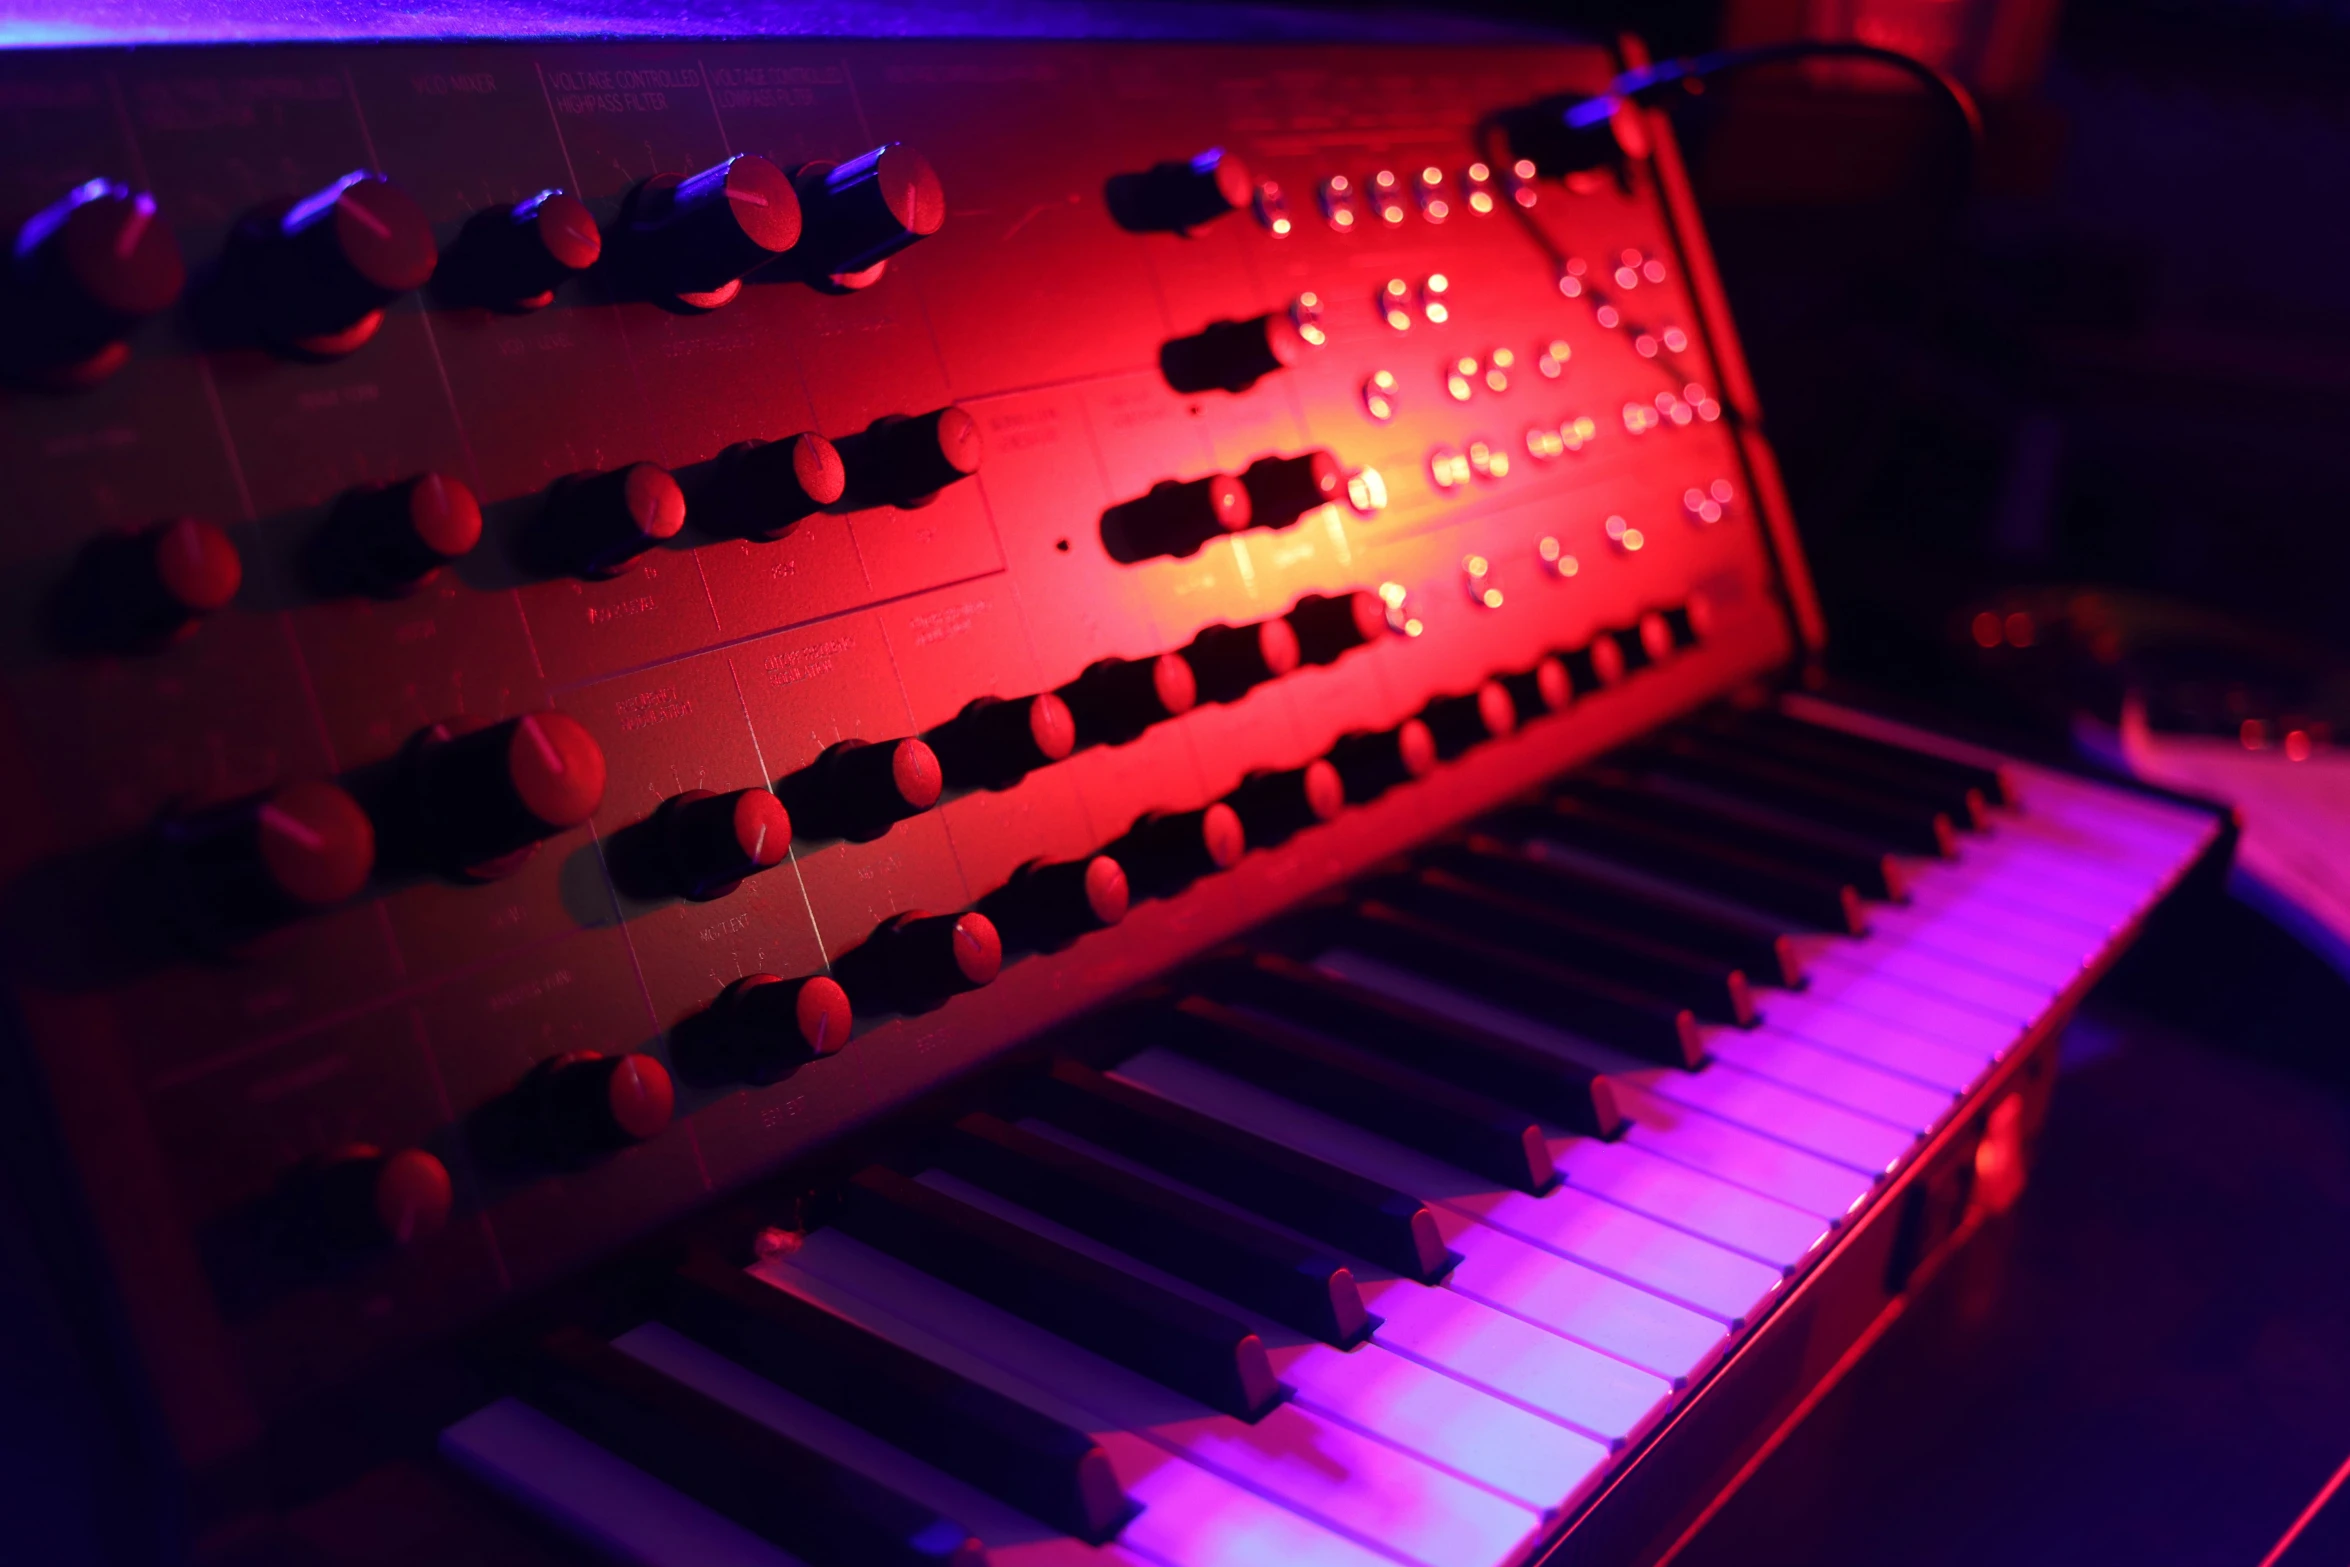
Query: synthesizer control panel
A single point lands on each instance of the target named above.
(584, 617)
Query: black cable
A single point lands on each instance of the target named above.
(1636, 84)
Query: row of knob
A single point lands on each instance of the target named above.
(762, 1027)
(319, 269)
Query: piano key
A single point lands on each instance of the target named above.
(1374, 1493)
(1970, 934)
(1053, 1471)
(1787, 891)
(2028, 905)
(1867, 735)
(1687, 1198)
(1715, 991)
(1574, 998)
(1665, 1261)
(1966, 804)
(1702, 808)
(779, 1489)
(2016, 1001)
(1544, 1288)
(1012, 1538)
(1189, 1517)
(1566, 1093)
(1827, 798)
(1408, 1405)
(1892, 1098)
(1335, 1206)
(607, 1504)
(1877, 1041)
(1891, 1001)
(1292, 1283)
(1633, 905)
(1411, 1107)
(1212, 1358)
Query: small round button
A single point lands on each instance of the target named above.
(1176, 518)
(1050, 904)
(714, 841)
(1371, 764)
(486, 796)
(1117, 699)
(402, 534)
(1329, 627)
(1597, 665)
(1283, 489)
(701, 234)
(766, 488)
(359, 1197)
(514, 258)
(1228, 662)
(89, 267)
(860, 789)
(583, 1102)
(862, 212)
(328, 264)
(917, 961)
(772, 1024)
(598, 523)
(993, 744)
(240, 868)
(1459, 723)
(907, 461)
(1655, 636)
(1546, 688)
(1181, 194)
(1231, 356)
(1167, 851)
(1276, 806)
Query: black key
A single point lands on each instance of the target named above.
(1789, 891)
(1564, 1092)
(1996, 782)
(777, 1488)
(1289, 1281)
(1714, 990)
(1377, 1223)
(1706, 811)
(1374, 1093)
(1753, 945)
(1052, 1472)
(1797, 745)
(1570, 998)
(1901, 825)
(1107, 1310)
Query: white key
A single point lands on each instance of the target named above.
(1885, 1002)
(1773, 1053)
(1869, 1040)
(1858, 1142)
(1980, 937)
(1364, 1489)
(597, 1498)
(2013, 1001)
(1632, 1246)
(1744, 1158)
(1746, 1221)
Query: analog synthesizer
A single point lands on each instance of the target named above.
(785, 798)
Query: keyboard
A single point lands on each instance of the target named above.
(1398, 1231)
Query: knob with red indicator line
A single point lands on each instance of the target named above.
(321, 269)
(1459, 723)
(486, 795)
(712, 842)
(906, 460)
(1175, 518)
(1117, 699)
(697, 236)
(148, 587)
(1370, 764)
(1276, 806)
(514, 258)
(88, 268)
(918, 961)
(1165, 852)
(764, 488)
(1181, 194)
(862, 212)
(1228, 662)
(859, 789)
(1329, 627)
(771, 1024)
(237, 869)
(357, 1197)
(584, 1102)
(993, 744)
(1544, 689)
(1283, 489)
(1048, 904)
(595, 524)
(401, 535)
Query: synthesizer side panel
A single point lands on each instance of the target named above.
(194, 1081)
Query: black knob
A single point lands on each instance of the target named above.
(764, 488)
(401, 535)
(860, 789)
(1050, 904)
(148, 587)
(906, 461)
(1179, 195)
(484, 797)
(1275, 807)
(1692, 622)
(1329, 627)
(1546, 688)
(992, 744)
(1458, 723)
(595, 524)
(582, 1102)
(862, 212)
(1570, 134)
(699, 235)
(713, 841)
(240, 868)
(1166, 852)
(1228, 662)
(1231, 356)
(1176, 518)
(1370, 764)
(89, 267)
(770, 1025)
(358, 1197)
(917, 961)
(325, 266)
(1283, 489)
(1596, 665)
(514, 258)
(1118, 698)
